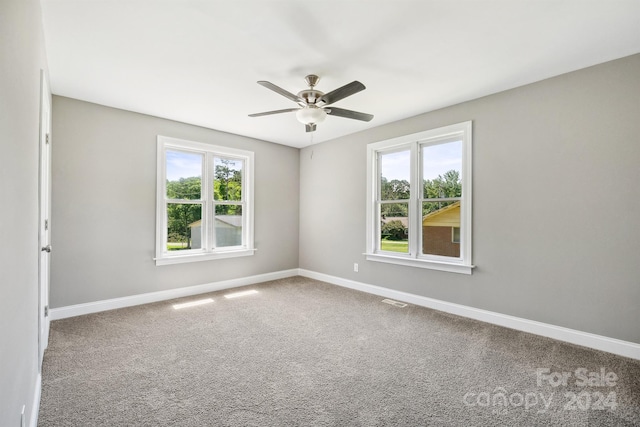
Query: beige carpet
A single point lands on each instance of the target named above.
(306, 353)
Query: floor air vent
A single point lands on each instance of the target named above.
(396, 303)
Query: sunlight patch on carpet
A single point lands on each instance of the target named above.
(241, 294)
(192, 303)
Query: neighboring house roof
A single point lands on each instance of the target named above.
(449, 216)
(232, 220)
(403, 219)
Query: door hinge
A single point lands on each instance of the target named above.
(46, 311)
(47, 139)
(46, 224)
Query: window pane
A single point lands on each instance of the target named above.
(227, 181)
(440, 226)
(394, 227)
(184, 175)
(394, 210)
(184, 226)
(395, 175)
(441, 170)
(228, 224)
(455, 235)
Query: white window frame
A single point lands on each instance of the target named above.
(207, 251)
(415, 258)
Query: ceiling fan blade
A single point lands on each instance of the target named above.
(342, 92)
(349, 114)
(285, 93)
(268, 113)
(311, 127)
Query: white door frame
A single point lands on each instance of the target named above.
(44, 226)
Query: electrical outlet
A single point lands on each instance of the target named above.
(355, 267)
(22, 420)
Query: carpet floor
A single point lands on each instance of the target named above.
(300, 352)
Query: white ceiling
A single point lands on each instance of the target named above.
(198, 61)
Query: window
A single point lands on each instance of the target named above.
(204, 202)
(419, 199)
(455, 234)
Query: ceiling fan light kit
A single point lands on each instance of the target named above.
(311, 114)
(313, 103)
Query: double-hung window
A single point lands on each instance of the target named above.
(419, 199)
(204, 202)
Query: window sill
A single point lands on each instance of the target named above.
(451, 267)
(180, 259)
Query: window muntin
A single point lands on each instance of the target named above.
(430, 198)
(205, 202)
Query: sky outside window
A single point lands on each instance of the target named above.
(181, 164)
(437, 159)
(441, 158)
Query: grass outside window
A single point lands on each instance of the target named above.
(395, 245)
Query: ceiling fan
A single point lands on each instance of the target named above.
(314, 105)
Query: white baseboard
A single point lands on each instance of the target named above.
(586, 339)
(35, 405)
(110, 304)
(47, 326)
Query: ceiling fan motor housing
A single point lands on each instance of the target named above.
(310, 96)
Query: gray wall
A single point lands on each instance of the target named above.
(104, 195)
(556, 227)
(21, 59)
